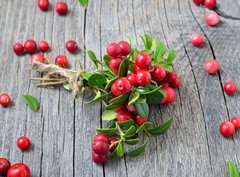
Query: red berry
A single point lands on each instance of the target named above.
(212, 19)
(19, 170)
(43, 4)
(227, 129)
(170, 95)
(130, 108)
(139, 120)
(230, 88)
(114, 90)
(143, 60)
(132, 79)
(137, 69)
(197, 40)
(71, 46)
(158, 73)
(114, 63)
(43, 46)
(113, 144)
(18, 48)
(101, 136)
(99, 159)
(123, 115)
(236, 122)
(100, 147)
(4, 166)
(5, 100)
(211, 66)
(114, 50)
(143, 78)
(163, 83)
(123, 85)
(210, 4)
(37, 57)
(171, 77)
(61, 8)
(23, 143)
(120, 108)
(125, 48)
(198, 2)
(30, 46)
(176, 83)
(115, 72)
(62, 61)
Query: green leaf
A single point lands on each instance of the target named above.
(155, 97)
(107, 131)
(126, 123)
(141, 99)
(93, 57)
(161, 52)
(32, 102)
(123, 68)
(79, 63)
(132, 141)
(98, 97)
(130, 132)
(146, 90)
(120, 150)
(142, 89)
(233, 170)
(67, 87)
(97, 80)
(162, 128)
(147, 41)
(134, 54)
(109, 115)
(171, 56)
(106, 59)
(86, 75)
(144, 126)
(142, 109)
(138, 150)
(168, 68)
(120, 99)
(84, 3)
(133, 97)
(110, 82)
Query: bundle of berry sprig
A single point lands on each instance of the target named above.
(131, 80)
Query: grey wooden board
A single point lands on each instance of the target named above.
(62, 130)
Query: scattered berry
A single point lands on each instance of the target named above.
(139, 120)
(19, 170)
(30, 46)
(43, 4)
(212, 19)
(71, 46)
(99, 159)
(43, 46)
(211, 66)
(18, 48)
(230, 88)
(61, 8)
(198, 2)
(125, 48)
(236, 122)
(132, 79)
(100, 147)
(210, 4)
(158, 73)
(4, 166)
(143, 60)
(5, 100)
(197, 40)
(62, 61)
(123, 85)
(143, 78)
(123, 115)
(114, 63)
(101, 136)
(37, 57)
(113, 144)
(170, 95)
(23, 143)
(227, 129)
(114, 50)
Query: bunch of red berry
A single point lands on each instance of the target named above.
(60, 7)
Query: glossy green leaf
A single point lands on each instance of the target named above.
(133, 97)
(84, 3)
(97, 80)
(168, 68)
(67, 87)
(142, 89)
(147, 91)
(99, 97)
(93, 57)
(162, 128)
(144, 126)
(86, 75)
(110, 82)
(142, 109)
(147, 41)
(126, 123)
(108, 115)
(32, 102)
(138, 150)
(162, 50)
(107, 131)
(141, 99)
(132, 141)
(120, 149)
(106, 59)
(171, 55)
(123, 68)
(233, 170)
(121, 98)
(130, 132)
(155, 97)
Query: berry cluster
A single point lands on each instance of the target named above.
(60, 7)
(227, 128)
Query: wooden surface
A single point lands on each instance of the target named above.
(62, 130)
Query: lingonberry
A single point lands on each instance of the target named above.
(136, 69)
(5, 100)
(163, 83)
(23, 143)
(197, 40)
(120, 108)
(62, 61)
(211, 66)
(115, 72)
(18, 48)
(143, 78)
(176, 83)
(170, 95)
(131, 108)
(61, 8)
(125, 48)
(139, 120)
(123, 115)
(113, 144)
(212, 19)
(230, 88)
(30, 46)
(37, 57)
(227, 129)
(114, 63)
(143, 60)
(100, 147)
(4, 166)
(236, 122)
(101, 136)
(158, 73)
(198, 2)
(19, 170)
(43, 4)
(71, 46)
(123, 85)
(132, 79)
(43, 46)
(114, 90)
(210, 4)
(99, 159)
(113, 50)
(171, 77)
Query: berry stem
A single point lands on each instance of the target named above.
(155, 83)
(44, 79)
(51, 83)
(120, 131)
(147, 133)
